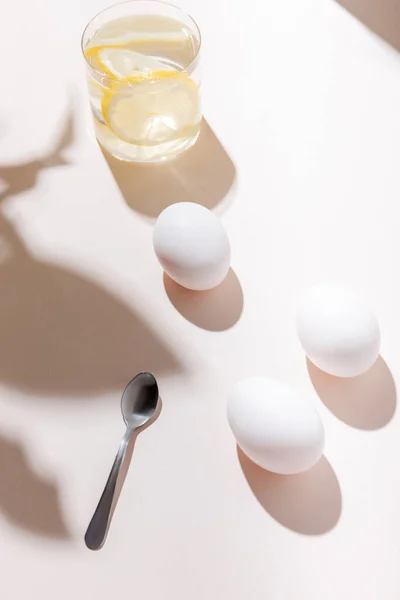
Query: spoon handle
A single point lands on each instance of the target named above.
(96, 533)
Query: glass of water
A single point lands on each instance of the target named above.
(142, 59)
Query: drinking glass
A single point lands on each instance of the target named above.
(142, 59)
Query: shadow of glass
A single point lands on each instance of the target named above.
(203, 174)
(215, 310)
(27, 500)
(61, 333)
(309, 503)
(364, 402)
(381, 16)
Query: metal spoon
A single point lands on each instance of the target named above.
(138, 405)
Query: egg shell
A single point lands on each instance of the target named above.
(274, 426)
(192, 246)
(338, 331)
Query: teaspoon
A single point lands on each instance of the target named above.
(138, 405)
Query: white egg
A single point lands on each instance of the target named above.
(338, 331)
(192, 246)
(275, 428)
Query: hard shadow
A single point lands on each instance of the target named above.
(61, 333)
(215, 310)
(18, 178)
(203, 174)
(27, 500)
(364, 402)
(381, 16)
(309, 503)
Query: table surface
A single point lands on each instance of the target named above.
(300, 158)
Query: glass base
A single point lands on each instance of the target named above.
(144, 154)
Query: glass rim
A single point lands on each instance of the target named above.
(187, 67)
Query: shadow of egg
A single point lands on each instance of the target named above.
(214, 310)
(309, 503)
(364, 402)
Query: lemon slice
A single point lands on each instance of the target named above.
(146, 102)
(122, 63)
(152, 113)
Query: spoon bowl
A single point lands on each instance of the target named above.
(139, 400)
